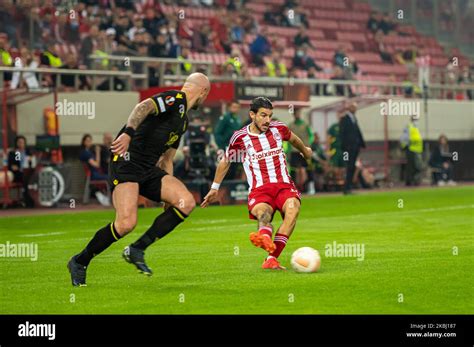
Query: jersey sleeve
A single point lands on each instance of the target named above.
(168, 101)
(233, 151)
(284, 131)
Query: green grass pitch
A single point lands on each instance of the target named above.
(418, 260)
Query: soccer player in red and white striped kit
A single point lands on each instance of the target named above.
(259, 146)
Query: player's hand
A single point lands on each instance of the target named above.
(209, 198)
(308, 153)
(120, 145)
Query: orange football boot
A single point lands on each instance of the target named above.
(263, 241)
(272, 263)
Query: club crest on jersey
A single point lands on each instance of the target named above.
(172, 139)
(169, 100)
(277, 136)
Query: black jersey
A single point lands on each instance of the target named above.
(160, 130)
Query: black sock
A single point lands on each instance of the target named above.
(162, 225)
(100, 242)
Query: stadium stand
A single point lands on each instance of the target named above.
(331, 25)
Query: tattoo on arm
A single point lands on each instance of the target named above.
(139, 113)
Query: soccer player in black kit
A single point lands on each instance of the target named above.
(142, 163)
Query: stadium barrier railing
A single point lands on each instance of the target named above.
(96, 76)
(320, 86)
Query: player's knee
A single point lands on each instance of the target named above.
(125, 225)
(186, 203)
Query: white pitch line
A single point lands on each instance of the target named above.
(43, 234)
(401, 211)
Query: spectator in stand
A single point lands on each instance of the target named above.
(339, 89)
(234, 66)
(186, 66)
(303, 61)
(275, 65)
(7, 21)
(272, 16)
(67, 81)
(441, 162)
(340, 58)
(200, 39)
(380, 45)
(161, 48)
(26, 59)
(89, 45)
(350, 69)
(136, 28)
(237, 32)
(152, 23)
(108, 42)
(302, 39)
(218, 23)
(6, 59)
(50, 57)
(20, 161)
(387, 24)
(118, 84)
(121, 26)
(374, 22)
(410, 54)
(260, 47)
(465, 77)
(249, 23)
(293, 16)
(90, 156)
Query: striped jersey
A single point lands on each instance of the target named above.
(262, 155)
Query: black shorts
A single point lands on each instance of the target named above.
(297, 160)
(148, 179)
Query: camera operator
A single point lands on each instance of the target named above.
(198, 150)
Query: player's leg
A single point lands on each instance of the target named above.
(291, 210)
(174, 193)
(263, 212)
(288, 203)
(125, 196)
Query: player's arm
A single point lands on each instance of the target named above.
(300, 146)
(166, 161)
(221, 171)
(138, 114)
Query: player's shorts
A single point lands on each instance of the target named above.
(297, 160)
(148, 179)
(273, 194)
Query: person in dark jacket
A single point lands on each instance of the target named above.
(351, 142)
(20, 160)
(441, 162)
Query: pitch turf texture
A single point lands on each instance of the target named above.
(208, 266)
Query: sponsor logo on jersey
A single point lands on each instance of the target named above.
(169, 100)
(266, 154)
(179, 96)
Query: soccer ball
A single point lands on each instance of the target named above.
(305, 259)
